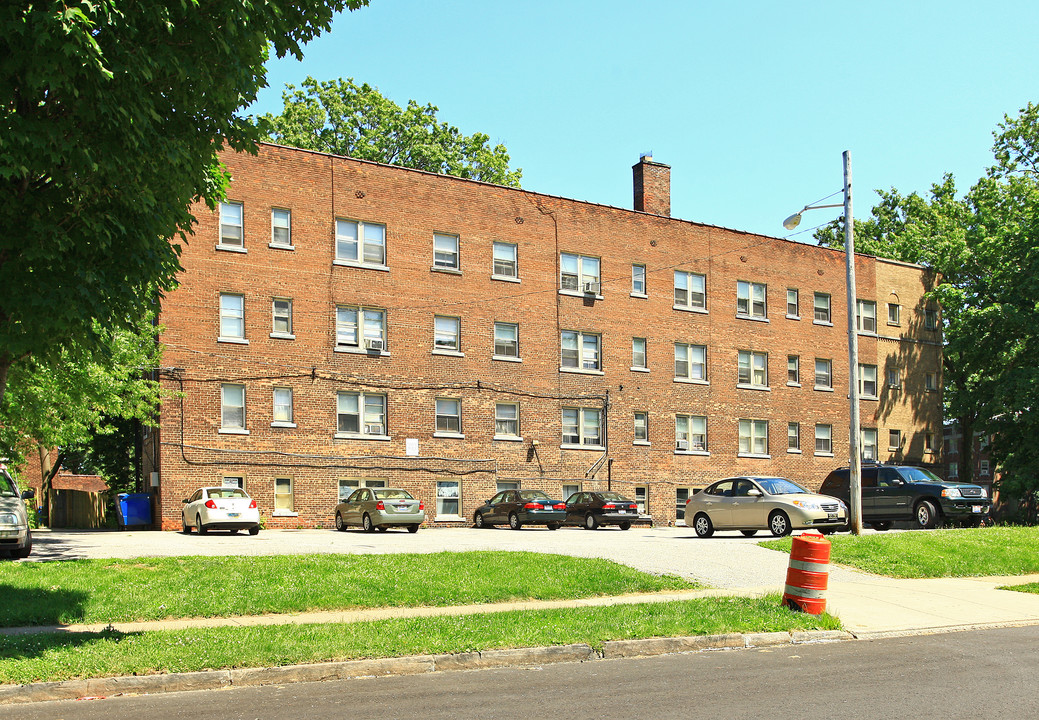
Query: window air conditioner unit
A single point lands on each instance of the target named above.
(682, 444)
(373, 429)
(373, 344)
(592, 288)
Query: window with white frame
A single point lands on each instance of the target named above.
(691, 362)
(579, 273)
(281, 312)
(506, 340)
(233, 481)
(691, 433)
(681, 498)
(360, 327)
(580, 350)
(638, 280)
(281, 227)
(793, 309)
(690, 290)
(894, 378)
(360, 243)
(753, 437)
(506, 485)
(821, 307)
(793, 370)
(231, 233)
(282, 407)
(506, 420)
(582, 426)
(984, 468)
(793, 437)
(641, 427)
(866, 316)
(823, 439)
(449, 499)
(447, 334)
(445, 252)
(750, 299)
(348, 485)
(506, 260)
(929, 446)
(930, 319)
(868, 381)
(752, 369)
(869, 445)
(638, 353)
(284, 501)
(449, 416)
(931, 382)
(823, 374)
(232, 407)
(360, 414)
(894, 440)
(232, 317)
(894, 314)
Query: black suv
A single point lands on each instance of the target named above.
(901, 492)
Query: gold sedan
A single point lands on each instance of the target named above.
(749, 504)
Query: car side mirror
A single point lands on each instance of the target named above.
(185, 501)
(753, 492)
(28, 494)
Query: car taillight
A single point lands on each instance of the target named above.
(380, 505)
(609, 506)
(210, 504)
(559, 506)
(252, 504)
(533, 506)
(633, 508)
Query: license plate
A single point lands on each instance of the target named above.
(975, 508)
(233, 514)
(402, 508)
(831, 516)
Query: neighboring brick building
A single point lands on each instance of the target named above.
(342, 322)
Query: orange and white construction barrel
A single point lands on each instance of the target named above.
(807, 574)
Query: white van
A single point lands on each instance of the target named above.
(15, 536)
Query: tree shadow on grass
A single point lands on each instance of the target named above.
(39, 606)
(18, 653)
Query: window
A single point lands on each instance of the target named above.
(579, 273)
(690, 291)
(753, 369)
(372, 335)
(750, 299)
(823, 444)
(506, 261)
(793, 370)
(894, 378)
(282, 414)
(929, 442)
(894, 440)
(348, 485)
(691, 362)
(984, 469)
(506, 420)
(792, 307)
(232, 317)
(233, 481)
(690, 433)
(281, 310)
(446, 334)
(869, 444)
(868, 381)
(449, 499)
(681, 498)
(753, 437)
(360, 243)
(569, 490)
(449, 416)
(642, 428)
(638, 353)
(823, 374)
(283, 496)
(581, 426)
(638, 280)
(894, 314)
(445, 252)
(281, 227)
(231, 233)
(793, 437)
(361, 414)
(642, 498)
(954, 470)
(506, 485)
(580, 350)
(232, 408)
(866, 316)
(930, 319)
(822, 308)
(931, 382)
(506, 340)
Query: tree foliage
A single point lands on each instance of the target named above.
(344, 118)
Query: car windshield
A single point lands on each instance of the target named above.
(533, 495)
(780, 486)
(613, 497)
(913, 474)
(7, 488)
(391, 494)
(227, 493)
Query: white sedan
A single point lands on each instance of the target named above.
(220, 508)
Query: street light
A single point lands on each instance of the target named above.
(855, 461)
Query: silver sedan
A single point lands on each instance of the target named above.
(381, 508)
(750, 504)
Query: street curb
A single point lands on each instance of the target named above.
(410, 665)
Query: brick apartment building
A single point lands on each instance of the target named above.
(344, 323)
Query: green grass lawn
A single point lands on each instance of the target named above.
(101, 591)
(36, 658)
(1027, 587)
(970, 552)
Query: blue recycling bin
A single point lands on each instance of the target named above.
(135, 508)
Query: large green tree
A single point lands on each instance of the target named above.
(111, 116)
(344, 118)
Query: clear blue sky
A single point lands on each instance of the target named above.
(750, 103)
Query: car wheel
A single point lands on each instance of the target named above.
(254, 530)
(591, 522)
(478, 520)
(366, 523)
(881, 526)
(24, 552)
(624, 525)
(749, 533)
(703, 526)
(413, 528)
(199, 528)
(340, 525)
(514, 522)
(553, 526)
(926, 515)
(779, 523)
(184, 525)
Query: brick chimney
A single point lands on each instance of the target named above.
(652, 182)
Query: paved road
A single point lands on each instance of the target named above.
(727, 560)
(988, 673)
